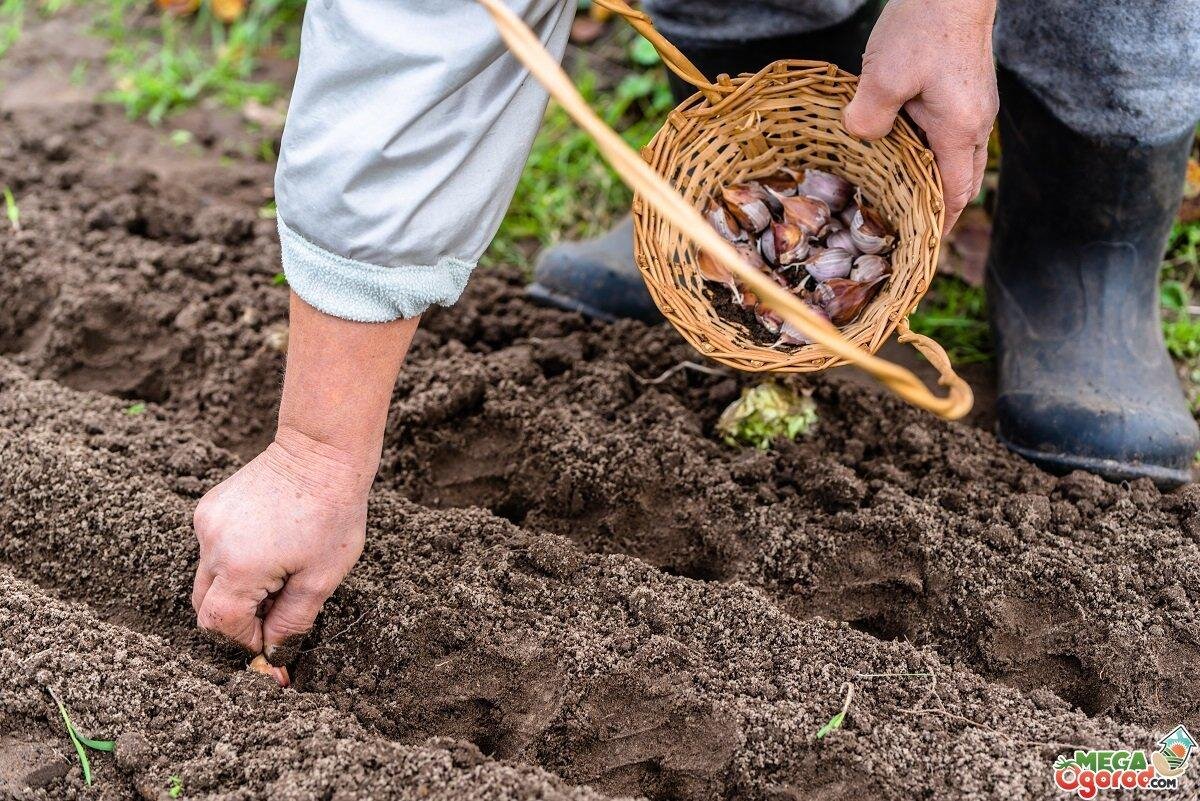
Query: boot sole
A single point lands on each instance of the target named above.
(549, 297)
(1111, 469)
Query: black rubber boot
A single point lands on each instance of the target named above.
(1085, 381)
(598, 277)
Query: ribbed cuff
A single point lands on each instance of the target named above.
(367, 293)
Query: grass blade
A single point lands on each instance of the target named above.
(10, 208)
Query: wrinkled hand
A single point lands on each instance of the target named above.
(934, 59)
(276, 539)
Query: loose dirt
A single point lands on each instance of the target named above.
(571, 587)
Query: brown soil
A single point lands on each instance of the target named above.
(571, 588)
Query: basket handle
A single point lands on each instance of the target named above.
(659, 194)
(671, 55)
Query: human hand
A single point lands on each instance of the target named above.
(276, 539)
(934, 59)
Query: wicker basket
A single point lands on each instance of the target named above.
(788, 114)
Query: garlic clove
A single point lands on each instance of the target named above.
(768, 319)
(766, 245)
(791, 335)
(748, 205)
(809, 213)
(843, 241)
(259, 664)
(712, 270)
(725, 224)
(829, 263)
(847, 214)
(868, 267)
(782, 182)
(844, 300)
(788, 243)
(834, 190)
(871, 234)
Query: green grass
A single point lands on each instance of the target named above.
(180, 61)
(566, 190)
(955, 314)
(11, 210)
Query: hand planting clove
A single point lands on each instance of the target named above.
(814, 234)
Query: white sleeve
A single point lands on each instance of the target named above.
(408, 128)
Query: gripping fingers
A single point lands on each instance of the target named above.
(230, 612)
(291, 616)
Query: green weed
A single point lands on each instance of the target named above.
(80, 742)
(567, 190)
(176, 787)
(134, 409)
(765, 413)
(182, 61)
(955, 314)
(835, 722)
(11, 211)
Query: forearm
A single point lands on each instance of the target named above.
(337, 388)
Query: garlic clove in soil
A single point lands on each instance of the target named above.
(259, 664)
(843, 300)
(748, 205)
(725, 224)
(809, 213)
(769, 319)
(829, 263)
(870, 233)
(834, 190)
(868, 267)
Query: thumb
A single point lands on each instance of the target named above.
(291, 616)
(872, 111)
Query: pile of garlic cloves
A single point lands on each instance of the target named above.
(812, 232)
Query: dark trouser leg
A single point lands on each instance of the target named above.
(1080, 227)
(598, 277)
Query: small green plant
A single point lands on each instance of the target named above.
(835, 722)
(765, 413)
(1181, 330)
(268, 211)
(955, 314)
(175, 788)
(11, 210)
(80, 742)
(279, 279)
(134, 409)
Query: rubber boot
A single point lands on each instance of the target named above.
(1085, 381)
(598, 277)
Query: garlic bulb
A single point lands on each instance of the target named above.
(843, 241)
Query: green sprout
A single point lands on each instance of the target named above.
(764, 413)
(267, 211)
(10, 208)
(134, 409)
(279, 279)
(80, 742)
(835, 722)
(176, 787)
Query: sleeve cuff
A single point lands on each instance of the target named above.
(367, 293)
